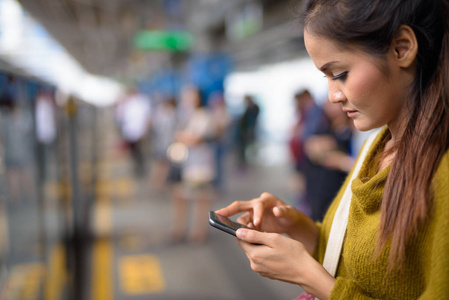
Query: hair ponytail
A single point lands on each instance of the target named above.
(408, 195)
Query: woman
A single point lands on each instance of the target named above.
(387, 65)
(197, 172)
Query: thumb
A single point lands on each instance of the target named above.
(251, 236)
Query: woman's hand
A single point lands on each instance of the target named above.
(269, 214)
(276, 215)
(279, 257)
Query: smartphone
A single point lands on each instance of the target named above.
(224, 223)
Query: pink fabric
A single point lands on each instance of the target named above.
(305, 296)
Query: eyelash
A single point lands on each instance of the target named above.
(341, 76)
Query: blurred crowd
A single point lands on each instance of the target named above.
(188, 140)
(182, 145)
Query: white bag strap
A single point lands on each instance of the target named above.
(338, 229)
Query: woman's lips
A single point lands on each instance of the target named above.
(350, 113)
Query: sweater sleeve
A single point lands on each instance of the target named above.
(347, 289)
(315, 253)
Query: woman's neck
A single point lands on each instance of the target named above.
(397, 127)
(388, 155)
(389, 152)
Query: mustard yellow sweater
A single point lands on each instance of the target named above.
(359, 274)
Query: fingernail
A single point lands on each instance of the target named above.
(256, 221)
(241, 233)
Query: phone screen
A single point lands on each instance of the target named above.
(224, 223)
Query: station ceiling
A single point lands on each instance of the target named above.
(99, 33)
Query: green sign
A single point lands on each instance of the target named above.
(163, 40)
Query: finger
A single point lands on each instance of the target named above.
(234, 208)
(258, 213)
(251, 225)
(247, 247)
(285, 211)
(243, 245)
(244, 219)
(252, 236)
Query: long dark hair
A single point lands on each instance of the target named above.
(371, 26)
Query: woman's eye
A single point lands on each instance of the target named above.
(340, 76)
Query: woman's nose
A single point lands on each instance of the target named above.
(336, 95)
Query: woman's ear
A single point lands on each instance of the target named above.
(405, 46)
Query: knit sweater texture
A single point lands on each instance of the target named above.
(360, 275)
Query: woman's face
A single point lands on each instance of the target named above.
(370, 97)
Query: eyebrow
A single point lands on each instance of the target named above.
(327, 65)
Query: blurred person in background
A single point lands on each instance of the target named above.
(197, 172)
(133, 119)
(387, 65)
(247, 131)
(222, 121)
(306, 108)
(164, 125)
(46, 130)
(328, 151)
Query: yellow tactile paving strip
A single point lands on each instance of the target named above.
(103, 252)
(56, 276)
(102, 271)
(141, 274)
